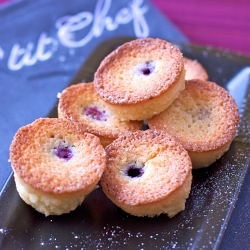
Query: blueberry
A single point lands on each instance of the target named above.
(147, 68)
(134, 171)
(95, 113)
(64, 153)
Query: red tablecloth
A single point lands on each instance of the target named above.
(223, 24)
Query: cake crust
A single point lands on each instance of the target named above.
(204, 119)
(76, 99)
(33, 159)
(167, 173)
(118, 80)
(194, 70)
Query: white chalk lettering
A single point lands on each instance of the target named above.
(140, 25)
(1, 53)
(74, 31)
(20, 57)
(68, 26)
(94, 25)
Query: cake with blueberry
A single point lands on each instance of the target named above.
(204, 119)
(81, 103)
(194, 70)
(56, 164)
(148, 173)
(141, 78)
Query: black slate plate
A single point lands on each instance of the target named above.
(98, 224)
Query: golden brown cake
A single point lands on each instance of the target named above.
(141, 78)
(81, 103)
(56, 164)
(194, 70)
(147, 174)
(204, 119)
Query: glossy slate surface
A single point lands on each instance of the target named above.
(98, 224)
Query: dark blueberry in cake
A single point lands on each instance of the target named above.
(147, 68)
(133, 170)
(63, 152)
(95, 113)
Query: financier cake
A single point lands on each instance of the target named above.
(56, 164)
(194, 70)
(204, 119)
(148, 173)
(81, 103)
(141, 78)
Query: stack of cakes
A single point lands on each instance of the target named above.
(191, 123)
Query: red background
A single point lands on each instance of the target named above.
(219, 23)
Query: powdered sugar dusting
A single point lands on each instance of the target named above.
(98, 224)
(3, 231)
